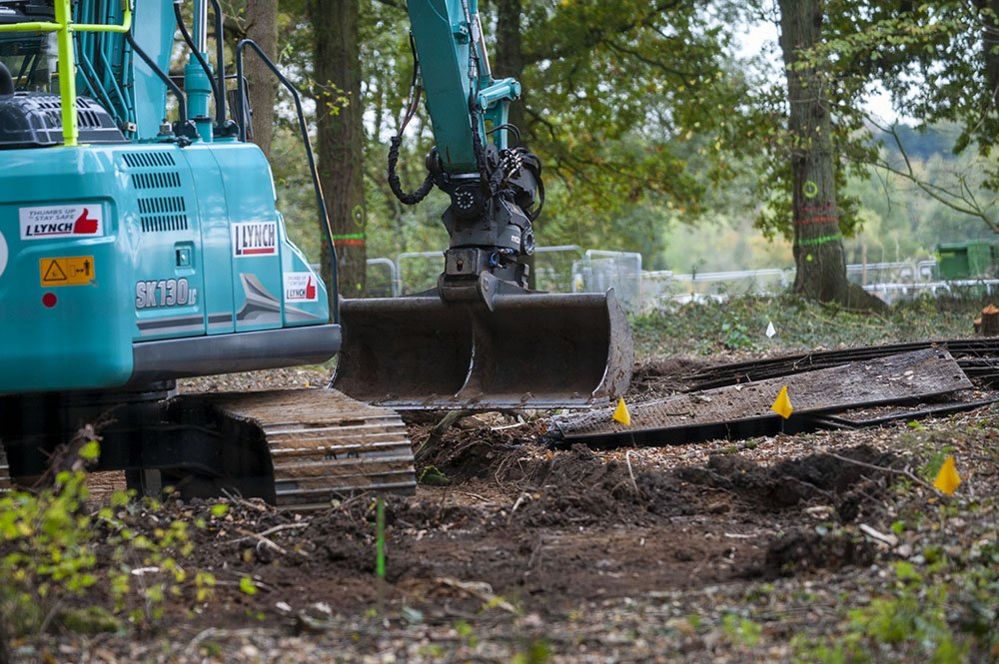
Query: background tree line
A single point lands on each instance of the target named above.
(656, 136)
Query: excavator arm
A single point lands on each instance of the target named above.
(481, 339)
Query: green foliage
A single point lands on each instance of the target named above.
(654, 139)
(52, 548)
(537, 651)
(90, 620)
(929, 470)
(246, 585)
(432, 476)
(741, 631)
(740, 323)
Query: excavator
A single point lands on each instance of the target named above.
(141, 243)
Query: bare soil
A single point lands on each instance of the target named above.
(511, 550)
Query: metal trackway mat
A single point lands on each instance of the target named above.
(716, 412)
(323, 444)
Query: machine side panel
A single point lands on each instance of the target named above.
(66, 315)
(216, 239)
(306, 300)
(162, 212)
(255, 244)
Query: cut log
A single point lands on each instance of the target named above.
(990, 321)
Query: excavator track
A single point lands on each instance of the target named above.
(6, 483)
(323, 444)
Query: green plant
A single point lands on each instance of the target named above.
(741, 631)
(52, 551)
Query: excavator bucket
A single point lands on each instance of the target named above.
(530, 351)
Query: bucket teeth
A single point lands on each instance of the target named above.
(530, 351)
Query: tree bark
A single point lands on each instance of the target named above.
(818, 244)
(510, 63)
(341, 137)
(990, 44)
(509, 60)
(4, 652)
(261, 27)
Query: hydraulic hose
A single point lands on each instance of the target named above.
(405, 197)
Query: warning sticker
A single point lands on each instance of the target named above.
(300, 287)
(3, 254)
(61, 221)
(254, 238)
(67, 271)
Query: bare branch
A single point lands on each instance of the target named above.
(963, 201)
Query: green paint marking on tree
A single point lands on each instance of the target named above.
(358, 215)
(350, 236)
(380, 535)
(810, 189)
(822, 239)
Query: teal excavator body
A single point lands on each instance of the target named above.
(141, 242)
(146, 252)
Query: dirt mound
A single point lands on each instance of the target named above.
(473, 447)
(801, 550)
(833, 478)
(578, 487)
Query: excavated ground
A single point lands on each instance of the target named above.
(719, 551)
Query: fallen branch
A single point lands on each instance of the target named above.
(631, 473)
(239, 500)
(481, 591)
(263, 540)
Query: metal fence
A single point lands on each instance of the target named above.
(571, 269)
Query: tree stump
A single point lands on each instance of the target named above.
(990, 321)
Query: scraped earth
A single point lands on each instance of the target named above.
(511, 549)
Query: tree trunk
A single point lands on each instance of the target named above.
(261, 27)
(4, 652)
(818, 244)
(341, 137)
(990, 44)
(509, 61)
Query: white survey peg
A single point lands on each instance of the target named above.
(771, 330)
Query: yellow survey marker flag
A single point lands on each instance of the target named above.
(947, 479)
(621, 413)
(782, 405)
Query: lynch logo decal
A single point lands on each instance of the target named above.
(254, 238)
(61, 221)
(300, 287)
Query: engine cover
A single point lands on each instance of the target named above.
(34, 120)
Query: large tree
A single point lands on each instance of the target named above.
(339, 111)
(261, 25)
(818, 243)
